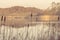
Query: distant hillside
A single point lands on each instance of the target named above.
(19, 16)
(18, 9)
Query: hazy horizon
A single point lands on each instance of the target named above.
(41, 4)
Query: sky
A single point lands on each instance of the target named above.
(41, 4)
